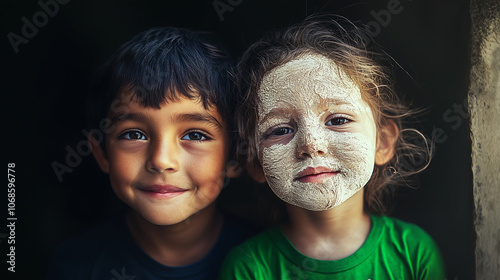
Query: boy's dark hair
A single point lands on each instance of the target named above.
(346, 44)
(160, 65)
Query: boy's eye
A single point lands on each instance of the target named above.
(133, 135)
(338, 121)
(195, 136)
(280, 131)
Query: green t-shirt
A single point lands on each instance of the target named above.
(393, 250)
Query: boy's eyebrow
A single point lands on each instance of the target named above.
(128, 117)
(199, 117)
(193, 117)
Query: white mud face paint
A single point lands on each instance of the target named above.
(316, 135)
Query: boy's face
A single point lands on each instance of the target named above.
(316, 136)
(169, 163)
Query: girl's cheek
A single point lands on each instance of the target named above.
(276, 155)
(278, 166)
(354, 150)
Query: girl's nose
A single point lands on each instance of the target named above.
(311, 143)
(163, 156)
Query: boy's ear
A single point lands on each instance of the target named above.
(386, 144)
(99, 154)
(256, 172)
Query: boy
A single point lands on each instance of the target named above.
(164, 103)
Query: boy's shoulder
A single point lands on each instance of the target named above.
(90, 240)
(77, 257)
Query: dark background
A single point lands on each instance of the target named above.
(43, 87)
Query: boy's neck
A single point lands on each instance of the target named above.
(329, 235)
(180, 244)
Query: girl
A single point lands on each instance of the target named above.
(324, 131)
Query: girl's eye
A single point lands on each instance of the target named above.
(133, 135)
(195, 136)
(280, 131)
(338, 121)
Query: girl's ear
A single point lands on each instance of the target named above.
(99, 154)
(256, 172)
(386, 144)
(233, 169)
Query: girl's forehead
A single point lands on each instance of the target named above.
(309, 81)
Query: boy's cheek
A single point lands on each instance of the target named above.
(124, 148)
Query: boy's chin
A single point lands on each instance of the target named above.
(168, 219)
(159, 219)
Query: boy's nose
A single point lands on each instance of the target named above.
(163, 157)
(311, 144)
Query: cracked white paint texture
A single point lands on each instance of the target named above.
(303, 95)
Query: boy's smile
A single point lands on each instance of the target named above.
(316, 136)
(169, 163)
(162, 191)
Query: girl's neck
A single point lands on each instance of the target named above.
(180, 244)
(329, 235)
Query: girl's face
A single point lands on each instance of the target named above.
(316, 136)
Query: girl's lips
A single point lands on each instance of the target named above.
(315, 175)
(162, 191)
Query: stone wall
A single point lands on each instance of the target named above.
(484, 108)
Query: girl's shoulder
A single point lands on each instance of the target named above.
(410, 244)
(407, 237)
(396, 227)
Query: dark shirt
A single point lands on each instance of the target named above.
(109, 252)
